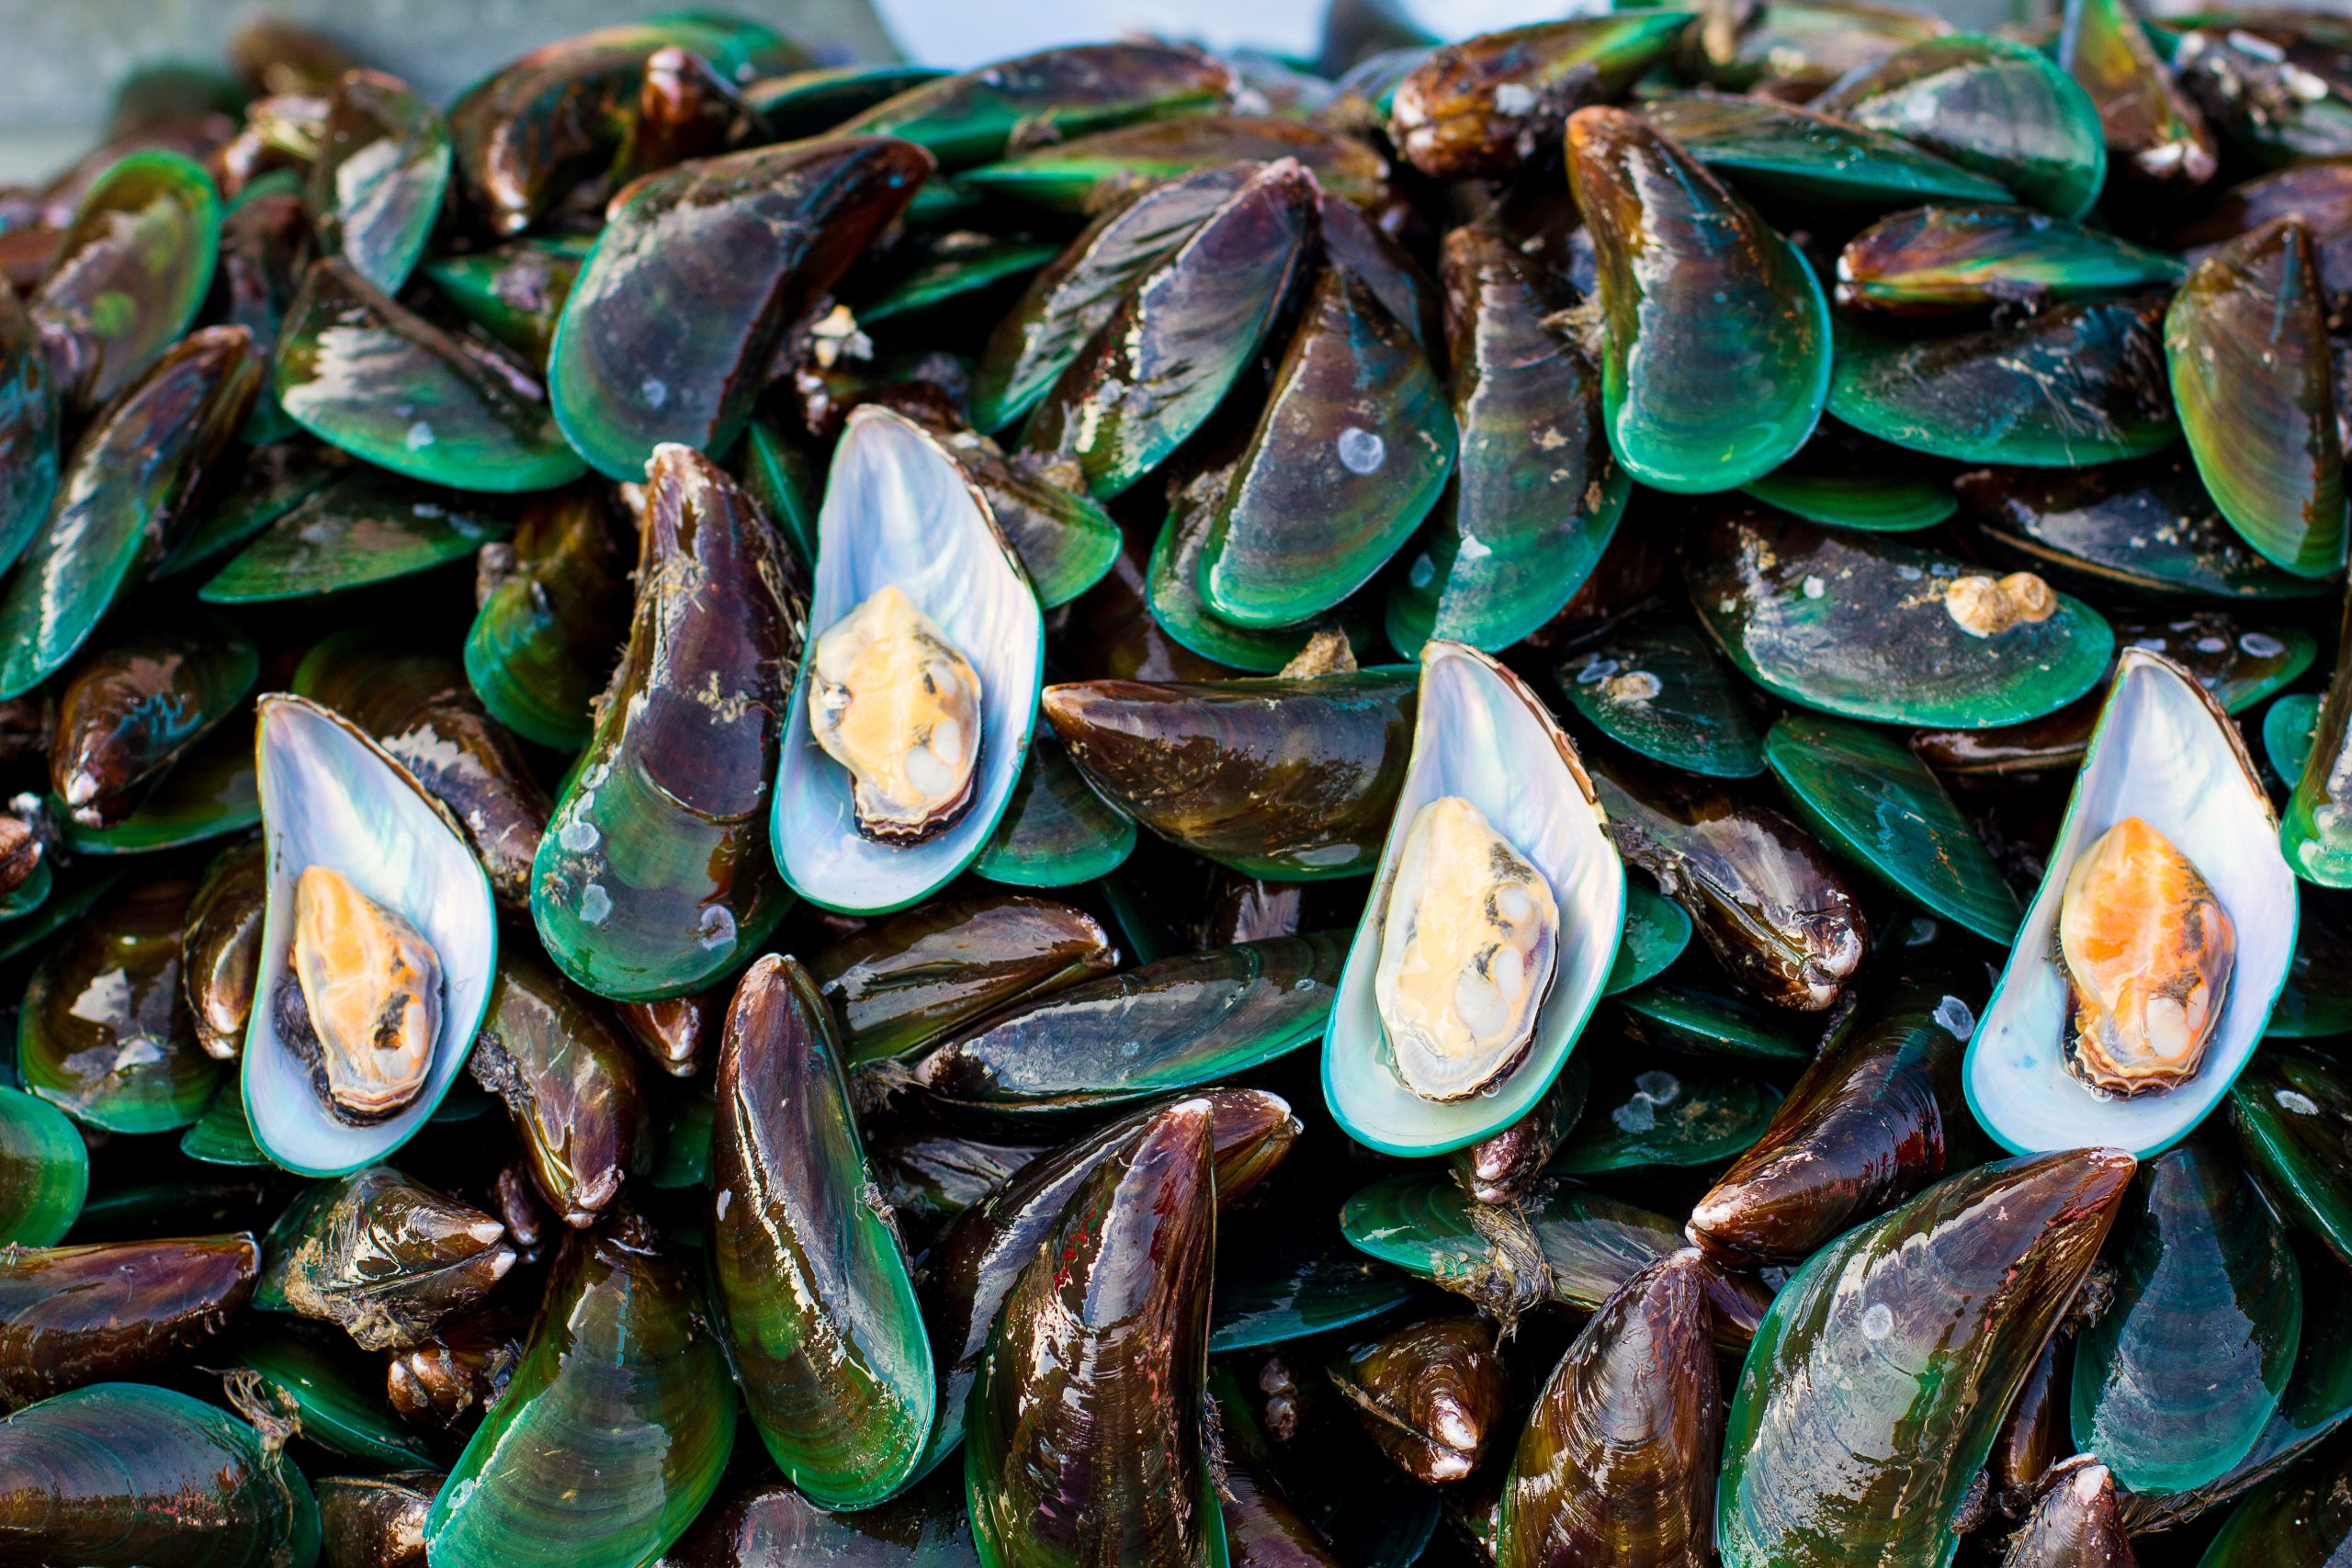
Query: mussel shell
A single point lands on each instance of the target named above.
(1084, 1437)
(104, 1032)
(377, 184)
(818, 1306)
(2313, 832)
(361, 371)
(1056, 831)
(1905, 1339)
(1159, 365)
(1484, 737)
(1560, 1243)
(548, 630)
(1285, 1275)
(268, 483)
(126, 711)
(1292, 779)
(1617, 1464)
(1689, 279)
(1931, 260)
(222, 1135)
(1070, 298)
(1173, 584)
(900, 511)
(445, 1382)
(1842, 479)
(363, 527)
(2077, 1522)
(1990, 105)
(332, 796)
(1683, 1115)
(121, 499)
(1799, 160)
(1495, 103)
(209, 793)
(1429, 1394)
(2179, 1375)
(1352, 447)
(1536, 494)
(669, 330)
(419, 709)
(905, 982)
(44, 1170)
(131, 269)
(1873, 1119)
(2147, 526)
(2157, 728)
(376, 1521)
(1652, 684)
(29, 429)
(568, 1076)
(2292, 1110)
(515, 292)
(526, 134)
(1854, 624)
(323, 1392)
(384, 1256)
(769, 1523)
(1263, 1528)
(2260, 414)
(651, 880)
(2157, 143)
(71, 1315)
(2296, 1521)
(1766, 897)
(972, 1267)
(1049, 97)
(2082, 383)
(1872, 798)
(1175, 1024)
(1088, 174)
(1796, 48)
(1505, 1166)
(120, 1473)
(622, 1364)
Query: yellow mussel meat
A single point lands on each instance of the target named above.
(361, 999)
(2149, 948)
(898, 705)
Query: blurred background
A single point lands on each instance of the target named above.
(67, 56)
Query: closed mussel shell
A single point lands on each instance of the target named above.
(2157, 142)
(1087, 174)
(44, 1170)
(377, 184)
(667, 332)
(553, 610)
(375, 1521)
(1689, 278)
(622, 1364)
(1084, 1437)
(1056, 831)
(829, 1343)
(1175, 1024)
(1936, 259)
(514, 291)
(2293, 1112)
(71, 1315)
(568, 1076)
(771, 1522)
(2075, 1523)
(2178, 1376)
(1429, 1394)
(1798, 160)
(29, 453)
(123, 1473)
(905, 982)
(127, 710)
(130, 271)
(104, 1032)
(1652, 684)
(1285, 778)
(651, 880)
(1905, 1338)
(382, 1256)
(1618, 1459)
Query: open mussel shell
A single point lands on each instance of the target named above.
(669, 333)
(1689, 279)
(1485, 737)
(124, 1473)
(623, 1364)
(1865, 627)
(1905, 1339)
(1990, 105)
(2163, 751)
(899, 513)
(2178, 1376)
(332, 798)
(819, 1309)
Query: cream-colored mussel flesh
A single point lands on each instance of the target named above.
(898, 705)
(2148, 948)
(361, 998)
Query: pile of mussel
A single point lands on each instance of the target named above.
(1564, 799)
